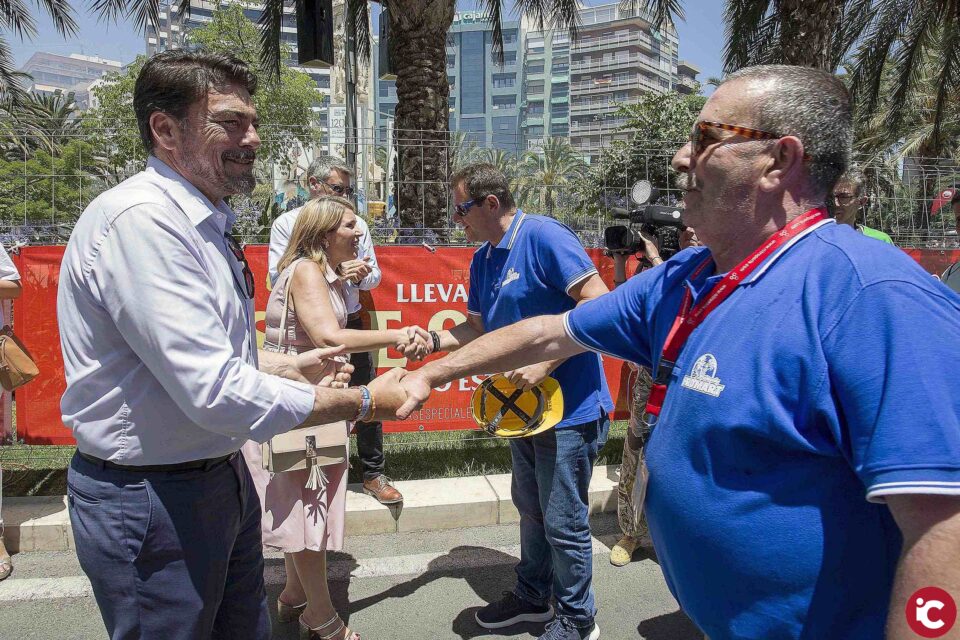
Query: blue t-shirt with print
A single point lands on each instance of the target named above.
(529, 273)
(818, 387)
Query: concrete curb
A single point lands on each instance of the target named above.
(43, 524)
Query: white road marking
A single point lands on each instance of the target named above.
(26, 589)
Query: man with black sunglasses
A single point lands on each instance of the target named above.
(848, 201)
(165, 382)
(804, 460)
(329, 175)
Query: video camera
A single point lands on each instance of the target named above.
(662, 222)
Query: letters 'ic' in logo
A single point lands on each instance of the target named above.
(931, 612)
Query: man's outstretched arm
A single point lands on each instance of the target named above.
(526, 342)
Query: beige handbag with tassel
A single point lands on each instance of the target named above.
(309, 447)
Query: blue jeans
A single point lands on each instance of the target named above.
(171, 555)
(551, 478)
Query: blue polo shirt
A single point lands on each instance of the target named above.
(529, 273)
(822, 384)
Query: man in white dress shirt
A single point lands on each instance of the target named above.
(155, 308)
(328, 175)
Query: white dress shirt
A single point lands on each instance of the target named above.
(8, 271)
(280, 237)
(158, 336)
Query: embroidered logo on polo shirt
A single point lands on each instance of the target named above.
(510, 277)
(703, 378)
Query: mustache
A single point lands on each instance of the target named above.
(242, 156)
(684, 181)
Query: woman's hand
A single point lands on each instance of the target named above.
(415, 343)
(354, 270)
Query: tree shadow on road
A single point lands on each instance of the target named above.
(463, 563)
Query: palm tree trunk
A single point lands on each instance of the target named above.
(806, 34)
(418, 33)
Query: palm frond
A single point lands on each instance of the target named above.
(270, 50)
(947, 77)
(907, 61)
(142, 12)
(16, 16)
(494, 10)
(889, 19)
(61, 14)
(11, 87)
(854, 20)
(665, 12)
(744, 20)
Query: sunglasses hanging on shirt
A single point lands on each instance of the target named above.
(247, 286)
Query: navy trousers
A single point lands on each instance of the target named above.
(171, 555)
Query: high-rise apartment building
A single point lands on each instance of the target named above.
(75, 72)
(545, 110)
(618, 57)
(552, 86)
(484, 95)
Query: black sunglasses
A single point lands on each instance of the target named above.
(237, 252)
(339, 189)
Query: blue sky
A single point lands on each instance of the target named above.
(701, 37)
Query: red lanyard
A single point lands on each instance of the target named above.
(689, 319)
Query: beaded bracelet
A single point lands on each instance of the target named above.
(366, 404)
(436, 341)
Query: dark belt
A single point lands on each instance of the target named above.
(191, 465)
(355, 315)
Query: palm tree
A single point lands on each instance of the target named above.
(549, 172)
(917, 41)
(38, 123)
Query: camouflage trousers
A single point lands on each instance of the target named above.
(630, 494)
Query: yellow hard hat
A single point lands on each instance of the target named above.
(502, 409)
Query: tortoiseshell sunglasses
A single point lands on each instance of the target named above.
(696, 135)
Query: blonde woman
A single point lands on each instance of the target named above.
(305, 523)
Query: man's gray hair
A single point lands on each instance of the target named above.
(811, 104)
(321, 167)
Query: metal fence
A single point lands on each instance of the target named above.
(578, 182)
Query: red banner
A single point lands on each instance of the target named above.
(418, 287)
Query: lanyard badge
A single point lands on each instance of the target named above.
(690, 317)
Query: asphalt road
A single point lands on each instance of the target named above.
(389, 587)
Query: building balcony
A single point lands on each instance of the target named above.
(600, 85)
(616, 63)
(597, 43)
(594, 107)
(600, 127)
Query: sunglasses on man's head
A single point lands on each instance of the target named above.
(339, 189)
(237, 251)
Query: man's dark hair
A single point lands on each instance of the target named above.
(483, 179)
(173, 80)
(853, 177)
(811, 104)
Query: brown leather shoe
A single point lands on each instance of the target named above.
(381, 489)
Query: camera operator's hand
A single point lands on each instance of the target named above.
(688, 238)
(650, 248)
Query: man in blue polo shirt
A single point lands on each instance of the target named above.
(805, 461)
(529, 265)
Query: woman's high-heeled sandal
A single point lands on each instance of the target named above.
(288, 612)
(306, 633)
